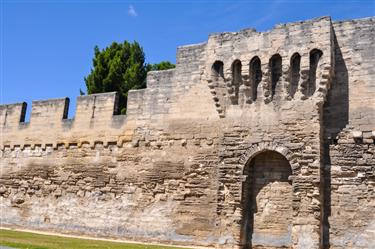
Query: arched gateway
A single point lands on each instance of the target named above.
(267, 202)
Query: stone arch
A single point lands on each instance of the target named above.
(217, 70)
(236, 80)
(294, 73)
(256, 149)
(255, 72)
(266, 201)
(275, 67)
(315, 55)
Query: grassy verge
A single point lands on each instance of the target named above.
(38, 241)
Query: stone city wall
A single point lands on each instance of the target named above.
(254, 140)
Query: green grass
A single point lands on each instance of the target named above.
(38, 241)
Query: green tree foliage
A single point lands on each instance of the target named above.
(120, 67)
(164, 65)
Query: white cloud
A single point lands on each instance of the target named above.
(131, 11)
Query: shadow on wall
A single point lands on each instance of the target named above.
(335, 118)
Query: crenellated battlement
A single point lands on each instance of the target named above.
(12, 113)
(290, 65)
(53, 111)
(233, 73)
(96, 117)
(49, 123)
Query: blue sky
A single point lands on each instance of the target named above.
(47, 46)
